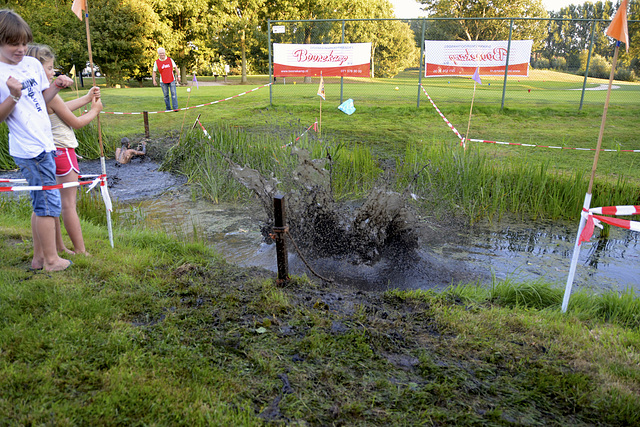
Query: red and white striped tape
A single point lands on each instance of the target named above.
(594, 220)
(551, 146)
(314, 125)
(101, 179)
(463, 140)
(189, 108)
(442, 115)
(22, 180)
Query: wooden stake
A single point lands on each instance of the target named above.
(93, 79)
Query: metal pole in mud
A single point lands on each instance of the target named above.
(279, 229)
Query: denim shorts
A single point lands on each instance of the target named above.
(39, 171)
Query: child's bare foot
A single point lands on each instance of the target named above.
(37, 264)
(85, 253)
(66, 251)
(61, 264)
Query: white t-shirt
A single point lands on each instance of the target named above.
(29, 125)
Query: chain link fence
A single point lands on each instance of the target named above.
(570, 62)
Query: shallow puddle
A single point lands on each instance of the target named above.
(540, 250)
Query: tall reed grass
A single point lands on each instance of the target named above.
(483, 188)
(204, 161)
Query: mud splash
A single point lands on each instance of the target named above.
(322, 228)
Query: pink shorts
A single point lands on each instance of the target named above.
(66, 161)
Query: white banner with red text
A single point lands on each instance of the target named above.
(342, 60)
(462, 58)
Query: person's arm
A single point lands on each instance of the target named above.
(59, 107)
(74, 104)
(7, 106)
(60, 83)
(153, 73)
(177, 71)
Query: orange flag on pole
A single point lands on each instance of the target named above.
(79, 5)
(618, 28)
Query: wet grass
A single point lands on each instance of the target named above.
(165, 332)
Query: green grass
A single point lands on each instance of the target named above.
(164, 332)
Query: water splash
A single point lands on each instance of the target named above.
(324, 228)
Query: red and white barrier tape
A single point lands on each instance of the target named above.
(594, 220)
(22, 180)
(189, 108)
(463, 140)
(204, 130)
(101, 179)
(314, 125)
(442, 115)
(551, 146)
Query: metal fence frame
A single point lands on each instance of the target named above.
(424, 21)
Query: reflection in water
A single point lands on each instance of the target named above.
(511, 249)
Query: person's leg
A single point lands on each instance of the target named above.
(37, 262)
(165, 93)
(60, 246)
(70, 214)
(174, 95)
(40, 171)
(45, 228)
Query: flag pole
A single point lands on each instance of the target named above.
(466, 135)
(185, 114)
(102, 160)
(587, 197)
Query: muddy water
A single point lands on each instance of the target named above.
(509, 249)
(540, 250)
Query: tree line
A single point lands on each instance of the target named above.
(203, 36)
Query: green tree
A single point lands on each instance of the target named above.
(474, 29)
(186, 28)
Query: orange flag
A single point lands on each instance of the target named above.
(618, 28)
(79, 5)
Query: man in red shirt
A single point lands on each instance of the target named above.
(166, 66)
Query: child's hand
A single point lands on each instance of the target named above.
(63, 81)
(94, 92)
(96, 104)
(14, 85)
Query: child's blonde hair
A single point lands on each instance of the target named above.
(13, 29)
(41, 52)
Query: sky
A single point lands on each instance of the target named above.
(411, 8)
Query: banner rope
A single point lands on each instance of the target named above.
(594, 220)
(188, 108)
(462, 139)
(101, 179)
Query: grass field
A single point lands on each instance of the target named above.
(163, 332)
(160, 331)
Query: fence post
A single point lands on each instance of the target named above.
(270, 59)
(145, 115)
(506, 67)
(342, 77)
(424, 22)
(279, 229)
(586, 71)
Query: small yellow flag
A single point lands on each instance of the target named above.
(321, 88)
(78, 6)
(73, 71)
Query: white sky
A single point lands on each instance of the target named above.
(411, 8)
